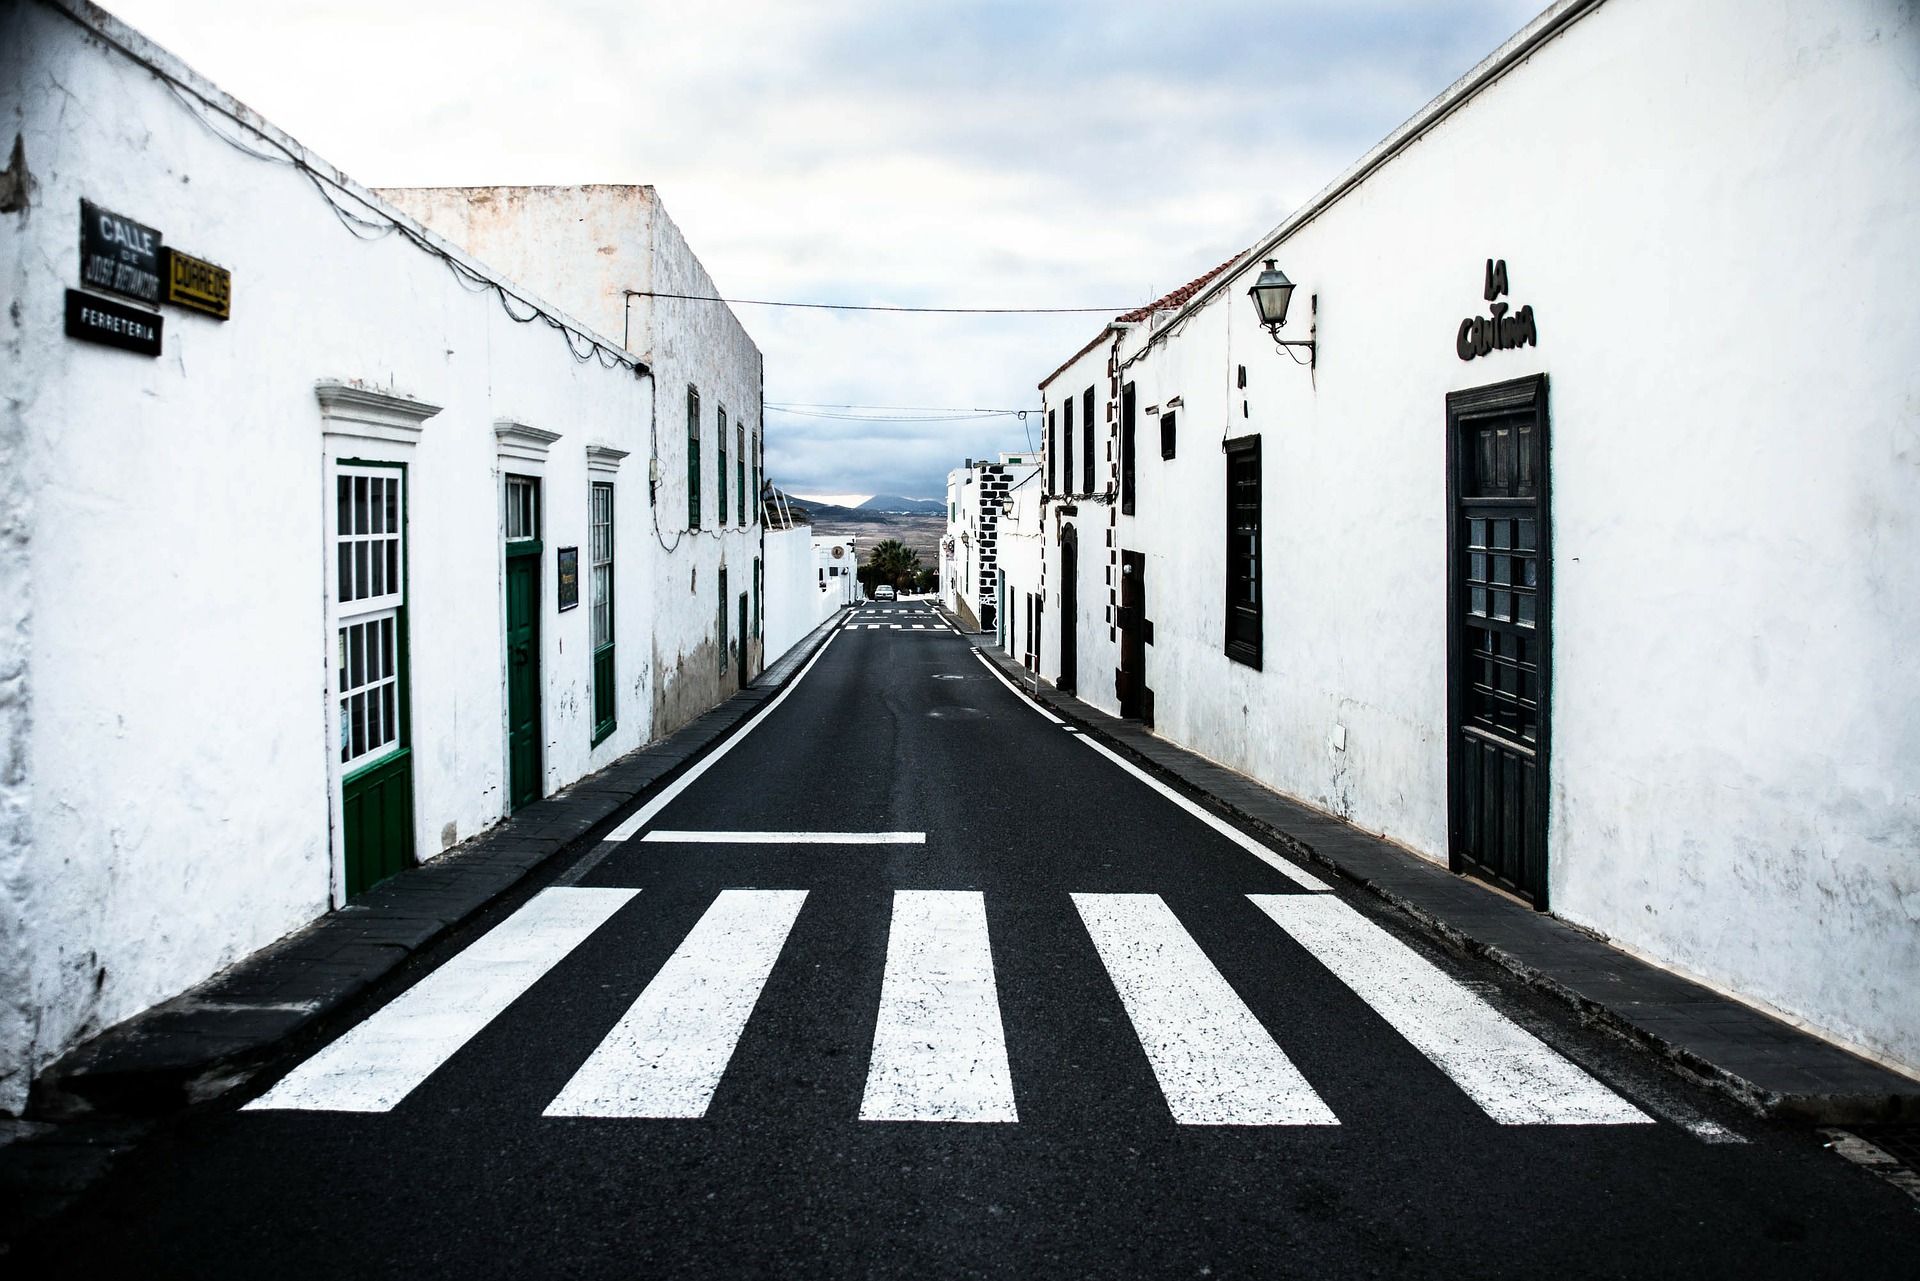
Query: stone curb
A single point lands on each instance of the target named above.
(1769, 1067)
(215, 1036)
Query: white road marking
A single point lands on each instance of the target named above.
(894, 626)
(666, 1055)
(1514, 1076)
(1305, 880)
(787, 838)
(1001, 677)
(919, 626)
(644, 815)
(939, 1051)
(1215, 1062)
(382, 1060)
(873, 627)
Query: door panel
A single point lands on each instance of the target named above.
(1130, 681)
(1499, 634)
(377, 806)
(523, 679)
(1069, 608)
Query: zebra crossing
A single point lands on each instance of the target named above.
(939, 1050)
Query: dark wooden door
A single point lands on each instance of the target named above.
(1499, 634)
(742, 633)
(1130, 681)
(1069, 607)
(523, 677)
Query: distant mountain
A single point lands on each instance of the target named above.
(908, 506)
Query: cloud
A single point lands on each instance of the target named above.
(1009, 152)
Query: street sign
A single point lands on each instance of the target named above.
(111, 323)
(119, 255)
(197, 285)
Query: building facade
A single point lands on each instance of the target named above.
(976, 498)
(1579, 550)
(326, 544)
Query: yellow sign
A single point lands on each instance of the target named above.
(198, 286)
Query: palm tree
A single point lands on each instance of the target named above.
(893, 562)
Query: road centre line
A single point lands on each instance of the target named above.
(642, 816)
(378, 1062)
(786, 838)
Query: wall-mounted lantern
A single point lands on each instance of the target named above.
(1271, 294)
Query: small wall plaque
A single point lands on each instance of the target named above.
(118, 254)
(569, 578)
(197, 285)
(114, 324)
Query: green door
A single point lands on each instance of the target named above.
(378, 810)
(523, 674)
(368, 582)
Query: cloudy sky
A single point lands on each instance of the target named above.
(1021, 153)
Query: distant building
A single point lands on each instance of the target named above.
(1581, 552)
(976, 493)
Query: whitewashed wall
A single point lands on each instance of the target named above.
(585, 246)
(1709, 206)
(797, 598)
(1098, 650)
(164, 801)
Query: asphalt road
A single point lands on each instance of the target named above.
(1073, 1031)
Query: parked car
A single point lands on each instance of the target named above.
(883, 592)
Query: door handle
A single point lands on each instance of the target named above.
(520, 655)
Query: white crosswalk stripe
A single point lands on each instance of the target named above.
(380, 1062)
(1216, 1063)
(667, 1054)
(939, 1052)
(1510, 1073)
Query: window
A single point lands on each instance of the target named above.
(523, 508)
(600, 573)
(1086, 425)
(1126, 449)
(369, 597)
(1066, 444)
(693, 458)
(1243, 550)
(722, 468)
(1053, 449)
(720, 629)
(1166, 434)
(740, 468)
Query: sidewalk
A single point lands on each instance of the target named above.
(217, 1035)
(1767, 1065)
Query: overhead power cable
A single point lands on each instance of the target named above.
(848, 306)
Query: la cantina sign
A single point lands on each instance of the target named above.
(1502, 330)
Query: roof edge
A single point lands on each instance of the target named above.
(1549, 23)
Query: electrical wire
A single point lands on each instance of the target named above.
(361, 228)
(848, 306)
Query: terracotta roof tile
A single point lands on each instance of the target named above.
(1179, 296)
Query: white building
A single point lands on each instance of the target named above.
(292, 599)
(809, 579)
(969, 579)
(1582, 552)
(599, 250)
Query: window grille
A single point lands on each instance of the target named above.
(722, 468)
(740, 468)
(600, 621)
(369, 591)
(1086, 426)
(1243, 641)
(693, 458)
